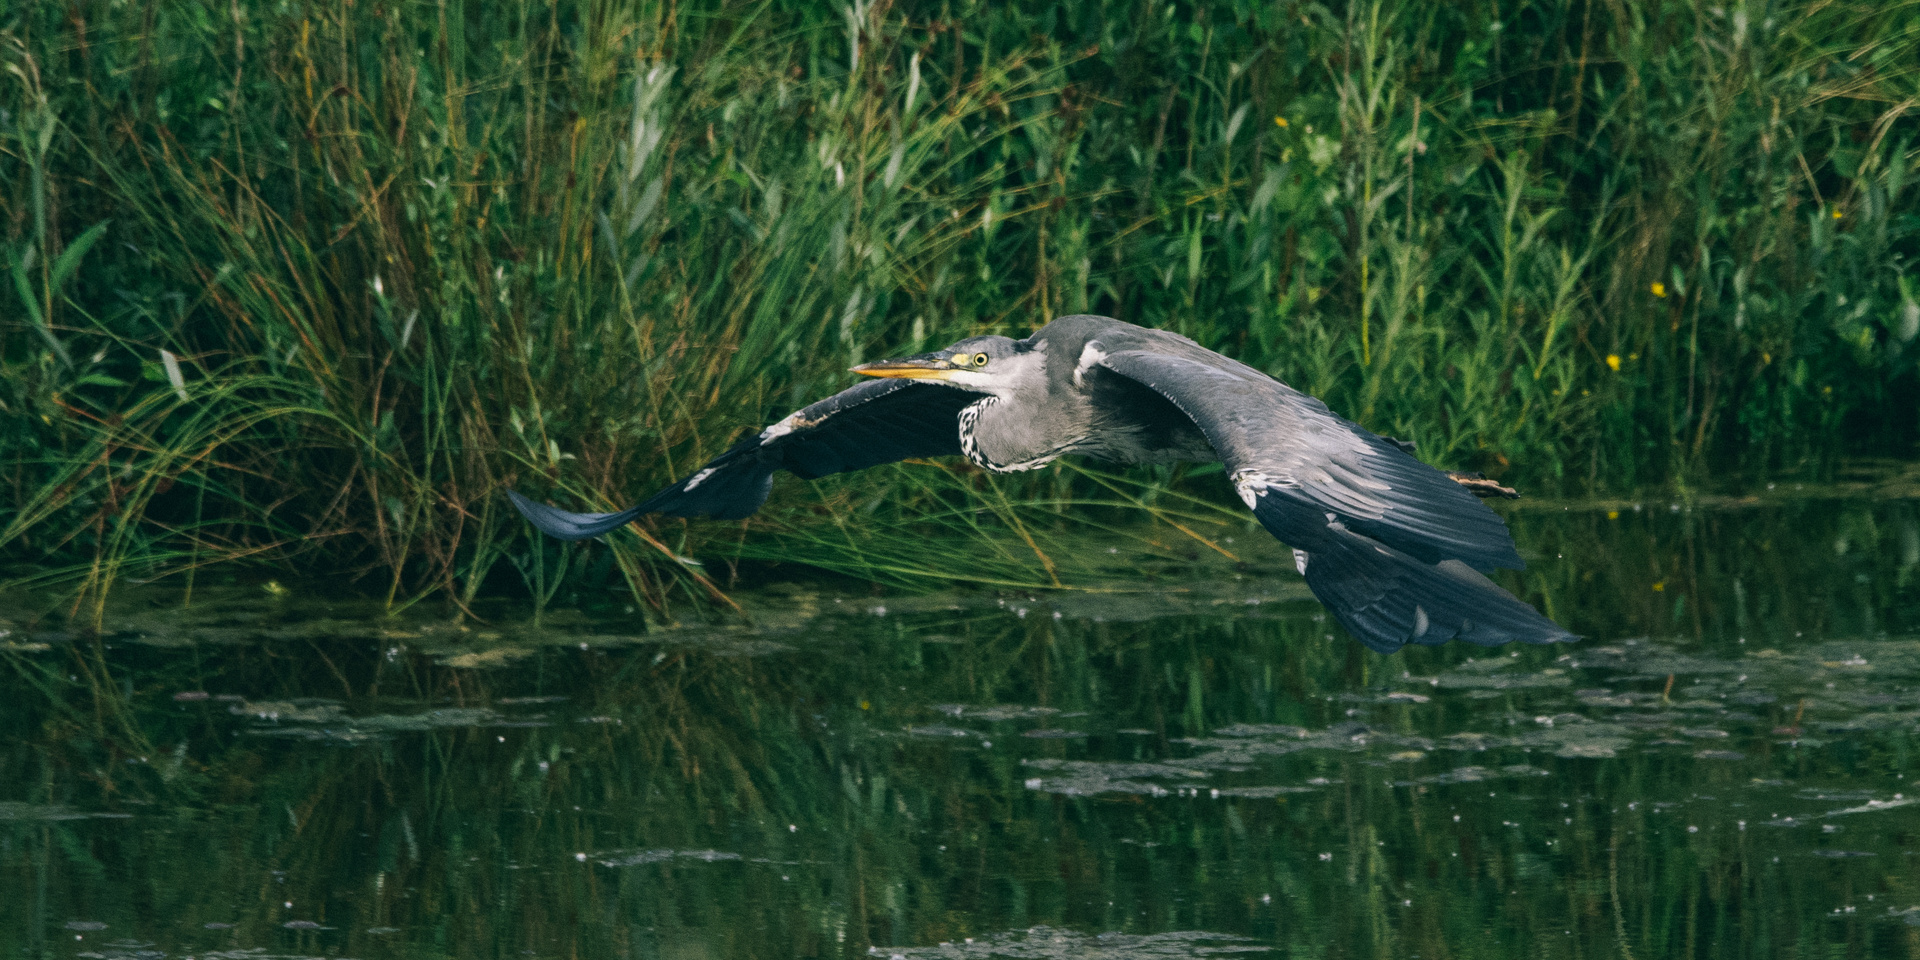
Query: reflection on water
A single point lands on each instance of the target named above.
(1718, 771)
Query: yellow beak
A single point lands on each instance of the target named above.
(925, 366)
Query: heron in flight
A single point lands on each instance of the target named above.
(1397, 550)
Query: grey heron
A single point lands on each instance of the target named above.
(1396, 549)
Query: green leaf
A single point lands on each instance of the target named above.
(69, 259)
(25, 286)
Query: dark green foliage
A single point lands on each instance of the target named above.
(312, 282)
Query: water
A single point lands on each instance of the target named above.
(1723, 769)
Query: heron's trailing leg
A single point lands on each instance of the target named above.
(1478, 485)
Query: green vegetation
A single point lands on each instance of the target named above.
(308, 284)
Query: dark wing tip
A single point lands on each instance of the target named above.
(1388, 599)
(1410, 605)
(563, 525)
(730, 487)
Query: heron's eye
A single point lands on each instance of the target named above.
(979, 359)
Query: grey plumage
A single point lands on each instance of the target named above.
(1394, 548)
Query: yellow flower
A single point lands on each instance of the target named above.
(1613, 362)
(1660, 587)
(1766, 358)
(1836, 214)
(1659, 289)
(1280, 122)
(1613, 514)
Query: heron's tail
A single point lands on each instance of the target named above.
(731, 486)
(1387, 599)
(555, 522)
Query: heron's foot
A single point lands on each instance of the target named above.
(1478, 485)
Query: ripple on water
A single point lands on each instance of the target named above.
(941, 732)
(44, 812)
(129, 950)
(1086, 778)
(329, 721)
(994, 714)
(1048, 943)
(636, 858)
(135, 950)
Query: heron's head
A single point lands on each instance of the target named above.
(997, 365)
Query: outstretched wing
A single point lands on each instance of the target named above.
(1279, 441)
(1389, 544)
(873, 422)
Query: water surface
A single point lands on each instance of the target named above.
(1208, 769)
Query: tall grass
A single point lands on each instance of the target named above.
(309, 284)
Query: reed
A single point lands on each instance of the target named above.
(307, 286)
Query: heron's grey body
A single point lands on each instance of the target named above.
(1393, 547)
(1057, 403)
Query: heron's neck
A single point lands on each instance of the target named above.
(1007, 435)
